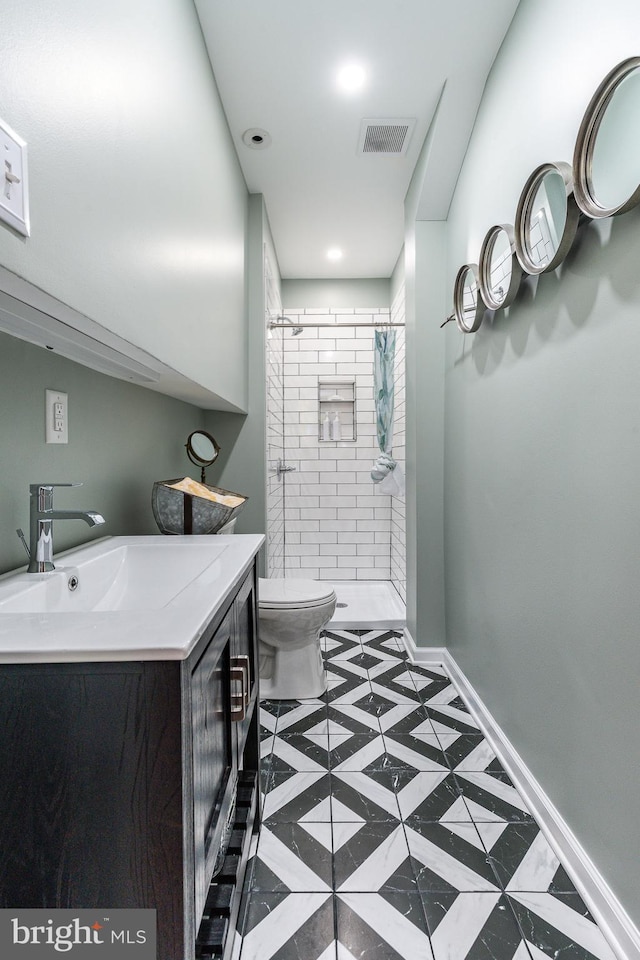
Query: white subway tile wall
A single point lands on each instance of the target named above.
(398, 513)
(275, 429)
(337, 524)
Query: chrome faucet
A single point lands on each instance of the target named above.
(41, 517)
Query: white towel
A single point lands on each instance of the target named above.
(393, 483)
(382, 467)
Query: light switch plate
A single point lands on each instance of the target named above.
(56, 416)
(14, 189)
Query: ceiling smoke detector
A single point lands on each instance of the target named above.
(387, 137)
(256, 138)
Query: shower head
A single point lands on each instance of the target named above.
(294, 330)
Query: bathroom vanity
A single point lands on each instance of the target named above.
(130, 748)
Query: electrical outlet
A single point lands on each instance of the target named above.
(56, 417)
(14, 195)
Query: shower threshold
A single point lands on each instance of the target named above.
(367, 603)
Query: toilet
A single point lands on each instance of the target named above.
(291, 614)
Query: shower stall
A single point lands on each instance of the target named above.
(326, 518)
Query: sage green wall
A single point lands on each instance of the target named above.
(542, 458)
(424, 265)
(242, 465)
(138, 204)
(336, 293)
(121, 438)
(397, 279)
(422, 271)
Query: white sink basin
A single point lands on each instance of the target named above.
(122, 598)
(123, 577)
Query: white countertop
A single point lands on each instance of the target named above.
(158, 631)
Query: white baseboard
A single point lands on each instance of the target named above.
(423, 654)
(612, 918)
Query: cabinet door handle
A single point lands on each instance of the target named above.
(244, 662)
(238, 711)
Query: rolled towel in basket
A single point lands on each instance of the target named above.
(196, 489)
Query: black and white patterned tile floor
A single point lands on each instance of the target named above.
(392, 832)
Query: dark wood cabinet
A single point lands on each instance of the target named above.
(119, 782)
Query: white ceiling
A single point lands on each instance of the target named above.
(275, 63)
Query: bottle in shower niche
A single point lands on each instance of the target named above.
(336, 428)
(326, 428)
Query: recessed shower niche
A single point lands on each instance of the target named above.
(336, 409)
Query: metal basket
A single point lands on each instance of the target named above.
(176, 512)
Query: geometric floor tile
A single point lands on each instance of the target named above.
(303, 718)
(360, 796)
(300, 796)
(448, 718)
(433, 670)
(560, 925)
(290, 859)
(298, 752)
(385, 641)
(289, 926)
(266, 748)
(370, 752)
(382, 701)
(416, 751)
(388, 673)
(441, 694)
(470, 752)
(449, 861)
(524, 860)
(395, 685)
(268, 717)
(340, 645)
(386, 926)
(406, 718)
(493, 796)
(428, 681)
(473, 926)
(347, 682)
(351, 718)
(356, 752)
(374, 859)
(429, 797)
(391, 831)
(345, 671)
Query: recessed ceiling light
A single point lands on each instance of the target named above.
(334, 253)
(256, 138)
(351, 77)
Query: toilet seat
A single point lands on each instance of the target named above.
(280, 594)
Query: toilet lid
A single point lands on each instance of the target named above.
(293, 594)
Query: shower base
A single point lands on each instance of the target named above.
(369, 603)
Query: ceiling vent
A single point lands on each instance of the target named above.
(387, 137)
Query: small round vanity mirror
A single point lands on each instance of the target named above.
(546, 218)
(607, 154)
(500, 271)
(468, 306)
(202, 450)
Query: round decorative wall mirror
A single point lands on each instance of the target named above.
(468, 306)
(606, 159)
(500, 270)
(604, 181)
(202, 450)
(546, 218)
